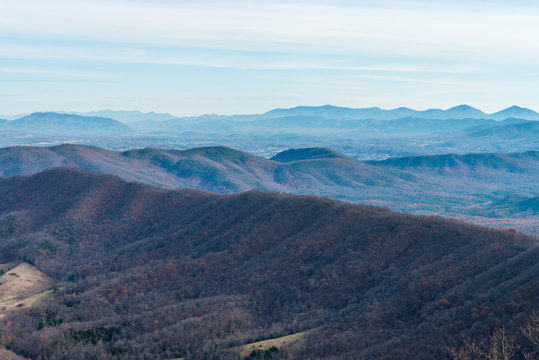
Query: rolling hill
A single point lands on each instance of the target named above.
(443, 184)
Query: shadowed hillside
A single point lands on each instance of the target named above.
(144, 272)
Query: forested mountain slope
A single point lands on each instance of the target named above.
(144, 272)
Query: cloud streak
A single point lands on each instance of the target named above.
(194, 57)
(416, 53)
(403, 30)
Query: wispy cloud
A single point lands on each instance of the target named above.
(196, 57)
(47, 71)
(156, 53)
(403, 29)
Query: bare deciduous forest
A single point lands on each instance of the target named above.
(146, 273)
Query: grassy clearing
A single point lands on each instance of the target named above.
(22, 286)
(284, 341)
(280, 342)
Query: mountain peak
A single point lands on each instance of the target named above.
(516, 112)
(463, 107)
(516, 107)
(466, 111)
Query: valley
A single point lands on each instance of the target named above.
(303, 233)
(364, 134)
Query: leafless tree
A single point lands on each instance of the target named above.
(531, 331)
(500, 346)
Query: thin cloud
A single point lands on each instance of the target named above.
(46, 71)
(156, 53)
(293, 27)
(247, 61)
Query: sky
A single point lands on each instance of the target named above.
(241, 57)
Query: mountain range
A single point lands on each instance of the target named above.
(327, 111)
(144, 272)
(457, 112)
(109, 119)
(452, 185)
(401, 121)
(302, 127)
(171, 247)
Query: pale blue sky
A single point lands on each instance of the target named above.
(195, 57)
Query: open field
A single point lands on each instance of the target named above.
(21, 286)
(280, 342)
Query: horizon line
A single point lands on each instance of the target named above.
(78, 112)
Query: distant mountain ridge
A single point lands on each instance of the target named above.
(58, 123)
(129, 116)
(456, 112)
(324, 111)
(318, 120)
